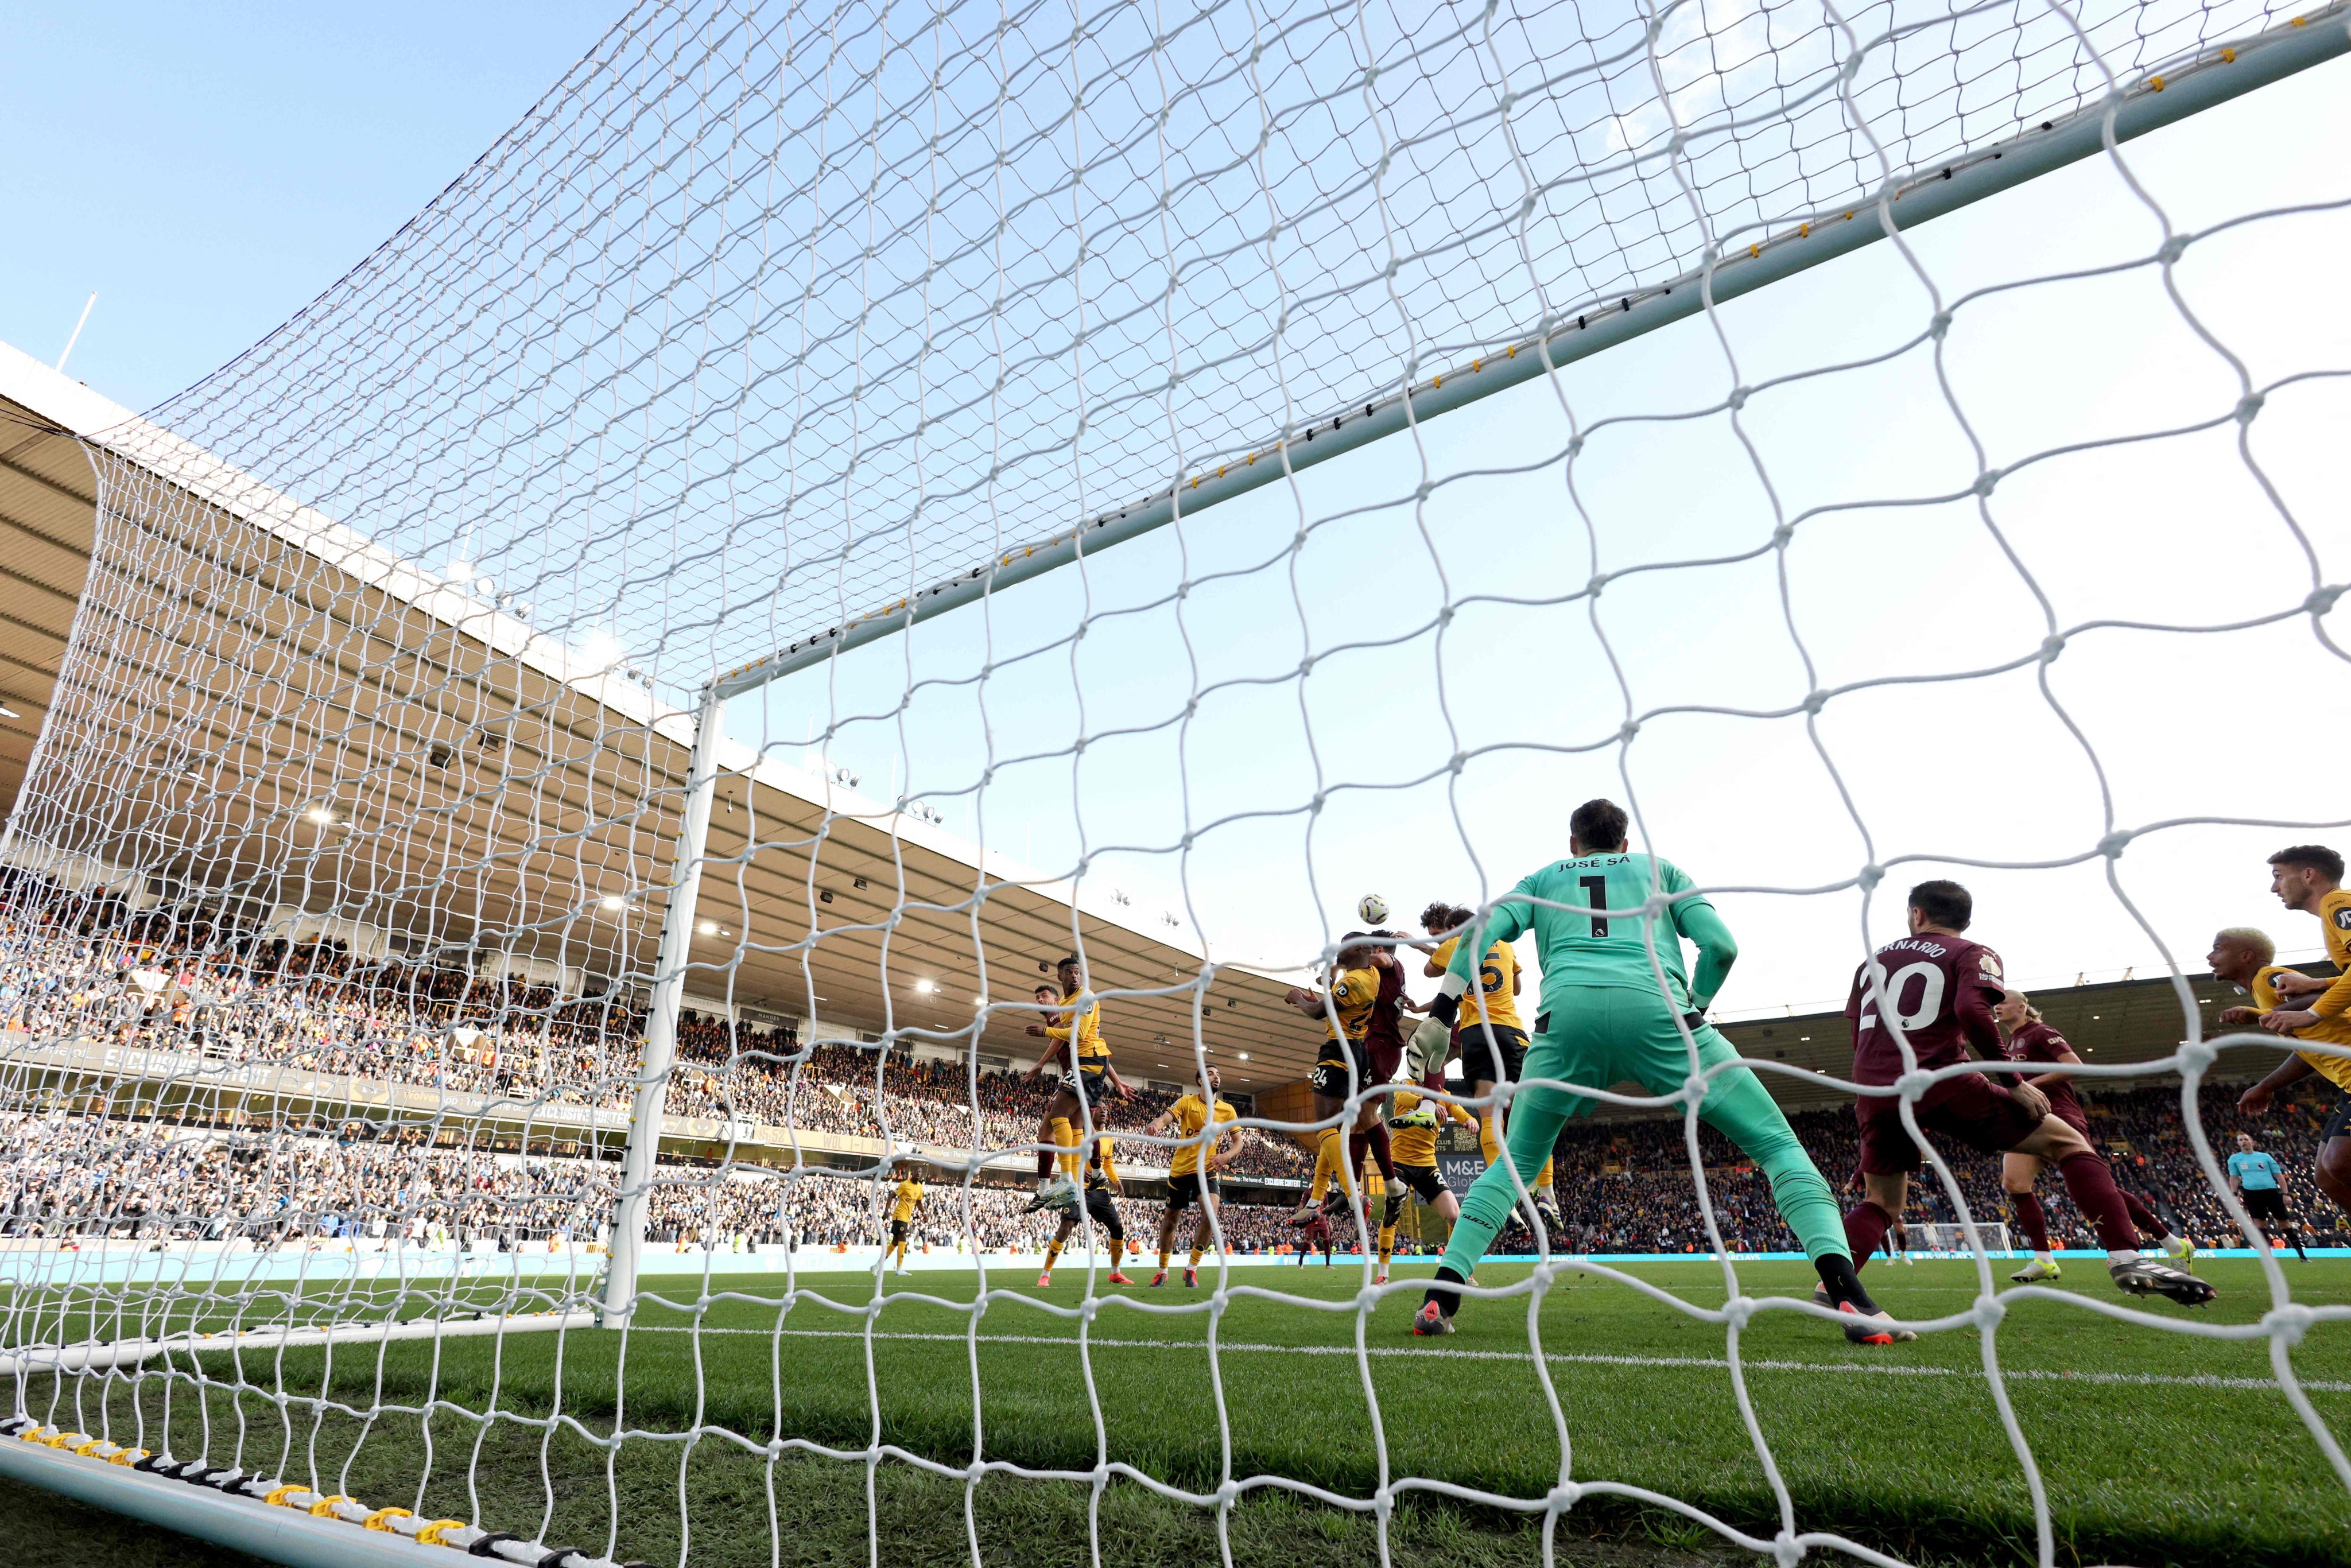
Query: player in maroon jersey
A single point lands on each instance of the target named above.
(2032, 1039)
(1375, 1055)
(1383, 1049)
(1934, 991)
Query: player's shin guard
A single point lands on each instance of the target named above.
(1865, 1226)
(1053, 1255)
(1388, 1246)
(1065, 1144)
(1358, 1145)
(2100, 1201)
(1326, 1163)
(2031, 1223)
(1384, 1155)
(2148, 1222)
(1490, 1143)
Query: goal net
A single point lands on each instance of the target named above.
(581, 758)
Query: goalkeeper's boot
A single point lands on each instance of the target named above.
(1430, 1319)
(1872, 1328)
(2145, 1277)
(2039, 1268)
(1117, 1277)
(1191, 1278)
(1869, 1328)
(1159, 1278)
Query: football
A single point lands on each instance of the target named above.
(1372, 908)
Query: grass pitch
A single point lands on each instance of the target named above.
(2154, 1446)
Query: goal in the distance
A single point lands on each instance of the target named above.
(1943, 1238)
(534, 855)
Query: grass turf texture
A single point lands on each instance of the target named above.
(2167, 1470)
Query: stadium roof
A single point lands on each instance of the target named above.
(2109, 1023)
(469, 738)
(819, 849)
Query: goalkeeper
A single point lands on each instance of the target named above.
(1602, 1020)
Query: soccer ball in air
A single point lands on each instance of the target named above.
(1372, 908)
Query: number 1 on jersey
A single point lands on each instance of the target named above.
(1597, 889)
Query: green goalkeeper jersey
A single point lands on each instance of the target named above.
(1578, 947)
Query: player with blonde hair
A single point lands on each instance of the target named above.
(2307, 877)
(2027, 1037)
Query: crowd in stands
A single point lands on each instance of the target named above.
(87, 1177)
(726, 1071)
(310, 1007)
(77, 1180)
(1626, 1186)
(175, 982)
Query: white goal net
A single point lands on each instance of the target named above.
(582, 757)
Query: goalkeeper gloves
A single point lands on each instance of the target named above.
(1432, 1041)
(1426, 1049)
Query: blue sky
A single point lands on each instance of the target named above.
(209, 177)
(208, 170)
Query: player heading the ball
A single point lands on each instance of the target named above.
(1611, 1010)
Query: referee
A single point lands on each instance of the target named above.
(2255, 1177)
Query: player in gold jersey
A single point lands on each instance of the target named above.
(1414, 1121)
(2307, 877)
(1086, 1077)
(1358, 1005)
(1488, 1036)
(905, 1201)
(1192, 1170)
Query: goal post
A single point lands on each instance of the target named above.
(680, 908)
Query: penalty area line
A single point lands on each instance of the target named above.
(1572, 1358)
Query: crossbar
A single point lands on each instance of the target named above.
(2219, 73)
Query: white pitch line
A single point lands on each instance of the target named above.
(1692, 1362)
